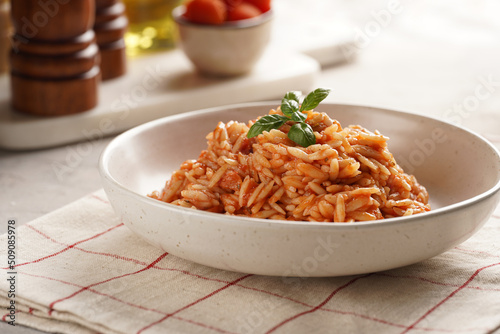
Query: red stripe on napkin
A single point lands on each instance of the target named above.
(51, 306)
(412, 326)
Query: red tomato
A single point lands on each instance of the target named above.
(263, 5)
(230, 4)
(206, 11)
(243, 11)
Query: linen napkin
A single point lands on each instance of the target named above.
(80, 270)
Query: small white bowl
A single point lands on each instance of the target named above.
(459, 168)
(229, 49)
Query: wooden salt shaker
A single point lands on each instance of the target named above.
(110, 26)
(54, 58)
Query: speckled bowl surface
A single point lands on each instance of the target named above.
(459, 168)
(229, 49)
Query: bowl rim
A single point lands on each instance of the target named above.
(178, 12)
(106, 175)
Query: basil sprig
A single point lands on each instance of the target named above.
(300, 132)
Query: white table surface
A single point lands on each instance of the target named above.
(429, 58)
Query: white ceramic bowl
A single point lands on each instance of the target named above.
(460, 169)
(228, 49)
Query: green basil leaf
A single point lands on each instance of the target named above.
(302, 134)
(288, 107)
(293, 95)
(314, 98)
(299, 116)
(266, 123)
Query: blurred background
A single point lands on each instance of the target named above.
(437, 58)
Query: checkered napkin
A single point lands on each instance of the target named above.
(80, 270)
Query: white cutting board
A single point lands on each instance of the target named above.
(155, 86)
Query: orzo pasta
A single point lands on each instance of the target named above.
(348, 175)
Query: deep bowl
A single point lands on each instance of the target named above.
(460, 169)
(229, 49)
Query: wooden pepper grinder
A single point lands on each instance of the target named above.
(110, 27)
(54, 58)
(5, 32)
